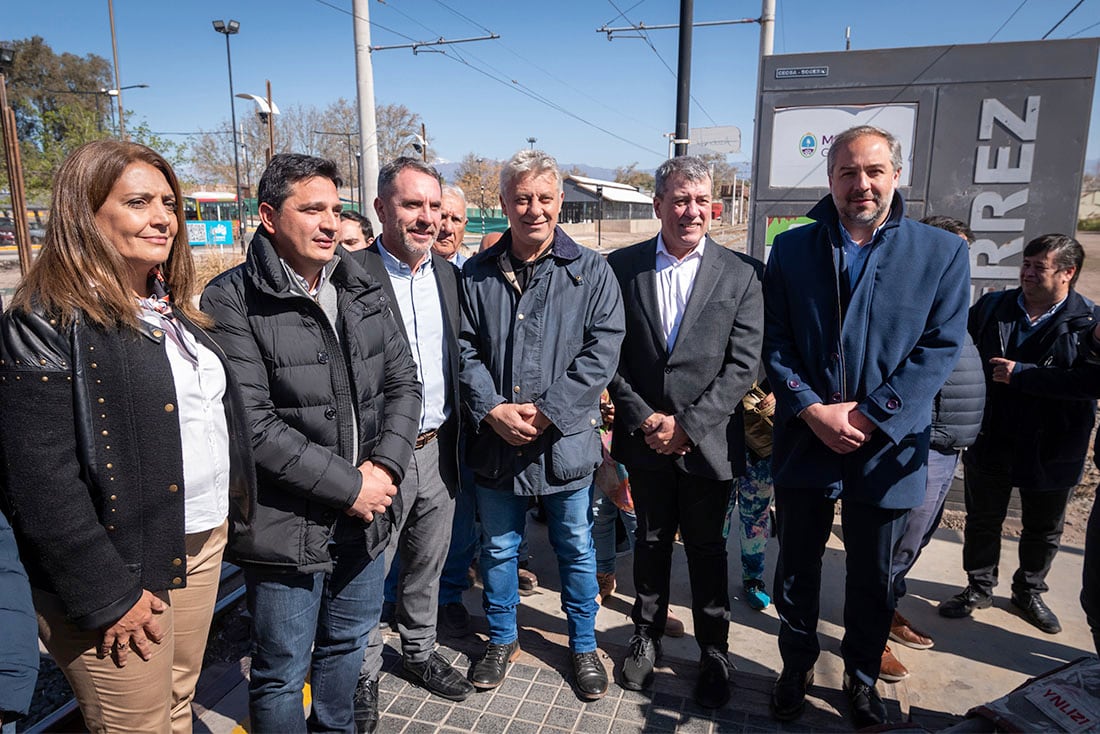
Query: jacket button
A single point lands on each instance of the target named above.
(110, 528)
(168, 408)
(173, 488)
(177, 562)
(158, 333)
(893, 404)
(322, 357)
(793, 383)
(177, 581)
(516, 389)
(330, 413)
(593, 421)
(519, 316)
(836, 397)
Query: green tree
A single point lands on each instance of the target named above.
(479, 179)
(59, 102)
(631, 176)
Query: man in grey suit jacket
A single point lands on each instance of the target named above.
(422, 289)
(694, 323)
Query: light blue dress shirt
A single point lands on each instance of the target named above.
(422, 313)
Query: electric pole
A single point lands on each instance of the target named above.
(368, 130)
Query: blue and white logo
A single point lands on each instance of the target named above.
(807, 145)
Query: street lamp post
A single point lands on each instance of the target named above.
(348, 136)
(120, 126)
(599, 221)
(532, 142)
(481, 199)
(229, 29)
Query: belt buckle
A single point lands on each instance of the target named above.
(425, 438)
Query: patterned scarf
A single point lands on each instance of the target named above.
(160, 303)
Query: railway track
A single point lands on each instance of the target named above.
(66, 717)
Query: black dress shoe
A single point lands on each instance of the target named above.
(365, 706)
(864, 705)
(439, 677)
(590, 675)
(789, 694)
(1034, 610)
(639, 664)
(489, 671)
(712, 690)
(965, 602)
(454, 620)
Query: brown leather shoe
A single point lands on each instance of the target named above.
(673, 626)
(891, 670)
(528, 582)
(903, 633)
(606, 582)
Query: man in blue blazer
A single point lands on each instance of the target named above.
(694, 322)
(865, 315)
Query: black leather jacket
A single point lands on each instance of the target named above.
(92, 464)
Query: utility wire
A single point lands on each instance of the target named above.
(1086, 28)
(1071, 10)
(512, 84)
(338, 9)
(645, 37)
(623, 13)
(469, 20)
(1009, 18)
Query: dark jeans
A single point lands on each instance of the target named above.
(665, 500)
(804, 519)
(1042, 512)
(922, 521)
(1090, 588)
(332, 613)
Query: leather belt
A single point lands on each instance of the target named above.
(426, 438)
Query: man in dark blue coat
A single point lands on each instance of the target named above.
(1039, 411)
(865, 313)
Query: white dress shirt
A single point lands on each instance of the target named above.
(204, 433)
(421, 308)
(675, 279)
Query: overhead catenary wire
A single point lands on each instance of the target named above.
(511, 84)
(1011, 15)
(1063, 20)
(645, 37)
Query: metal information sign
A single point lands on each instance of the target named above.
(991, 134)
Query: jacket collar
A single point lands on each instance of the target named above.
(562, 248)
(825, 212)
(265, 268)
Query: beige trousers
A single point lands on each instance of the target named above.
(151, 695)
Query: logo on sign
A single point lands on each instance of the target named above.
(807, 145)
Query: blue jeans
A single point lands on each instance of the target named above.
(333, 614)
(923, 520)
(569, 523)
(604, 515)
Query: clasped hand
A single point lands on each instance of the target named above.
(376, 492)
(840, 426)
(137, 628)
(517, 423)
(665, 436)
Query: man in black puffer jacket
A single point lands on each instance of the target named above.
(956, 419)
(1039, 412)
(331, 394)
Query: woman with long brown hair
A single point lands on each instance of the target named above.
(122, 441)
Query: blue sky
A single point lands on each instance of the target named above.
(486, 102)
